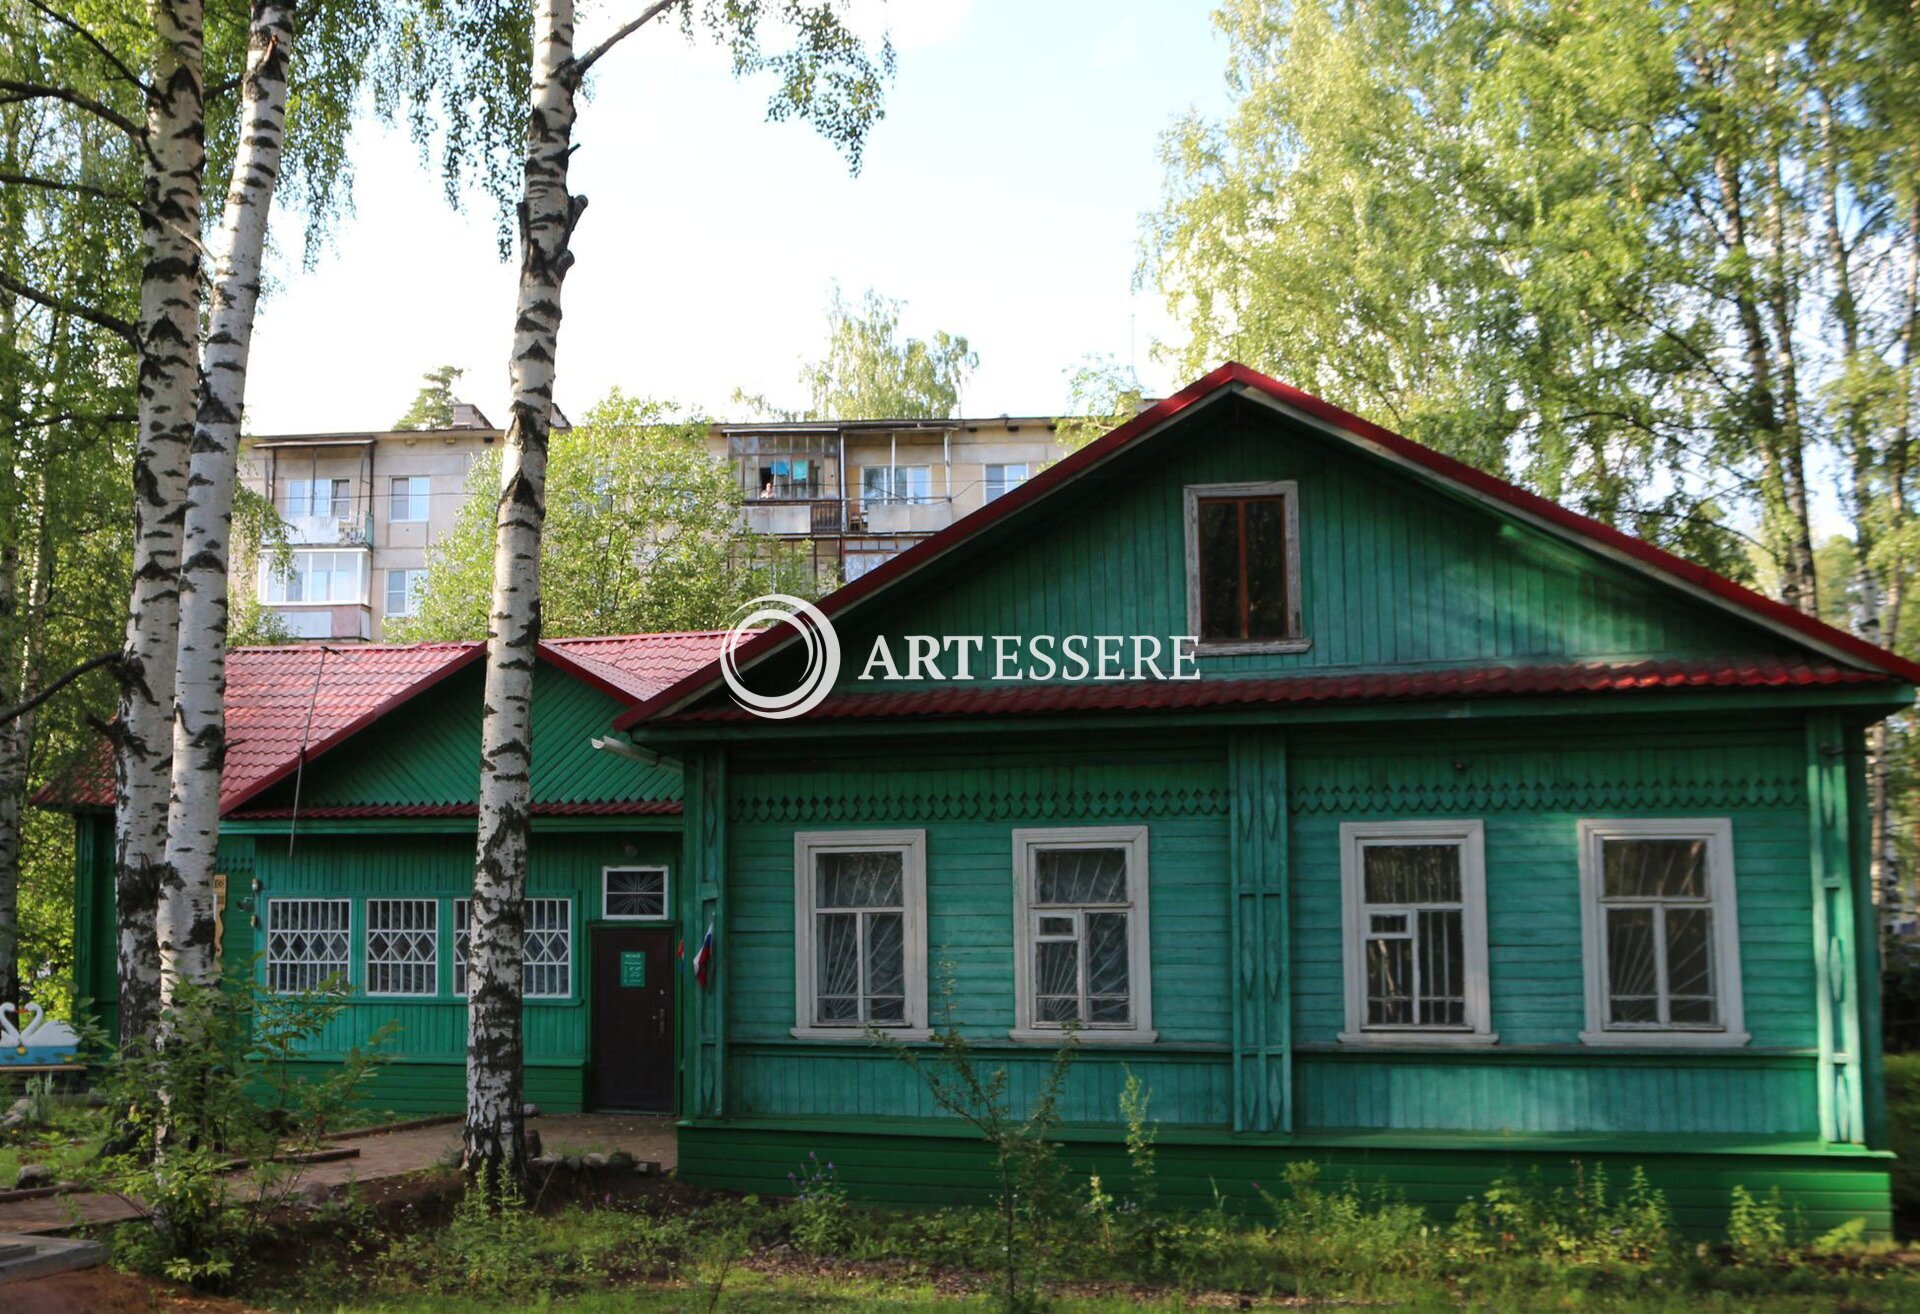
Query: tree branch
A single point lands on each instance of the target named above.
(98, 318)
(577, 69)
(12, 92)
(91, 664)
(56, 185)
(73, 25)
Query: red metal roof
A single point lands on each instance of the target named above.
(636, 665)
(1217, 695)
(1235, 377)
(285, 699)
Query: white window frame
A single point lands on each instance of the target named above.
(912, 845)
(1718, 834)
(410, 593)
(269, 962)
(432, 963)
(462, 916)
(1003, 484)
(893, 490)
(1470, 837)
(420, 500)
(666, 893)
(1133, 839)
(274, 587)
(1287, 489)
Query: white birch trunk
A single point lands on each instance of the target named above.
(185, 921)
(494, 1143)
(174, 154)
(15, 736)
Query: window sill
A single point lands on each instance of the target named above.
(1666, 1039)
(1238, 648)
(860, 1033)
(1085, 1036)
(1419, 1039)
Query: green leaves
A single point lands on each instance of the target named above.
(870, 373)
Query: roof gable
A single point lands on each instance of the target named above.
(1409, 559)
(293, 705)
(424, 759)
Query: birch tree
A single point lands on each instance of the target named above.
(413, 52)
(185, 917)
(172, 153)
(827, 79)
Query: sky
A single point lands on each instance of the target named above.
(1001, 199)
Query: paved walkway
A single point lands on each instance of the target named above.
(386, 1154)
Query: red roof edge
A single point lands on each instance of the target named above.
(355, 726)
(1219, 381)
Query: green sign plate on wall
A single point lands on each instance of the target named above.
(633, 968)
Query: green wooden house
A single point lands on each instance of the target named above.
(1365, 807)
(347, 840)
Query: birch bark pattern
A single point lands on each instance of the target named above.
(173, 154)
(494, 1146)
(185, 919)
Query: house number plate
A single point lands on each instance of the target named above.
(633, 968)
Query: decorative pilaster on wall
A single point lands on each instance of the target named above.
(1262, 999)
(705, 865)
(1835, 942)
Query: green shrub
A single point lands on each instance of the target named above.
(215, 1092)
(1757, 1228)
(1580, 1223)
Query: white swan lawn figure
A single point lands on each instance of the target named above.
(40, 1041)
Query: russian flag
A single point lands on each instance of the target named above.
(703, 961)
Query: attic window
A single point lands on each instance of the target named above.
(1243, 567)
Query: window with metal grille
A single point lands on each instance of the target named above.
(860, 926)
(307, 943)
(546, 951)
(633, 893)
(1083, 923)
(1662, 934)
(1415, 931)
(402, 946)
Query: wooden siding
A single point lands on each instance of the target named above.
(428, 752)
(440, 866)
(1393, 573)
(1214, 957)
(1531, 794)
(969, 804)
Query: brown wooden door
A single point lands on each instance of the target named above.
(632, 1042)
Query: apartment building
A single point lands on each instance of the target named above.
(862, 491)
(363, 509)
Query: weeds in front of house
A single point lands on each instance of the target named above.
(208, 1163)
(1084, 1243)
